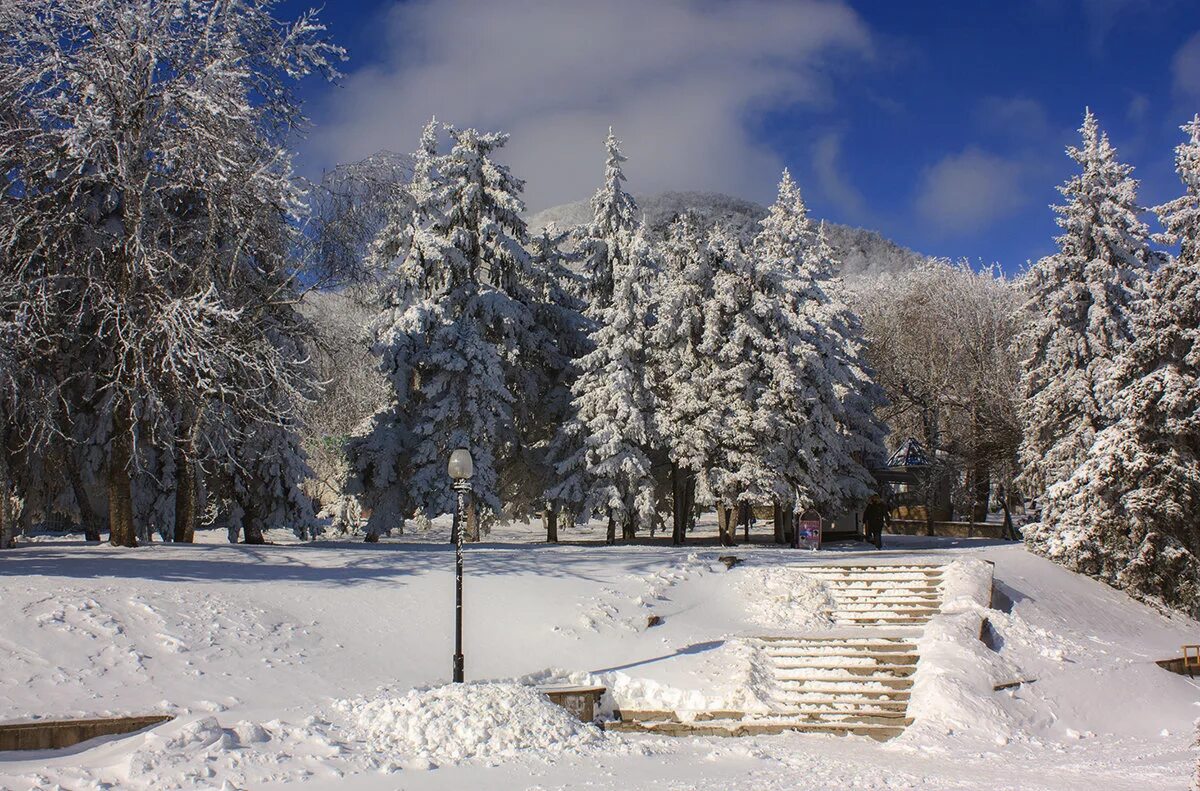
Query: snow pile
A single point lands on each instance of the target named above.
(953, 688)
(967, 585)
(1196, 777)
(200, 753)
(781, 597)
(460, 722)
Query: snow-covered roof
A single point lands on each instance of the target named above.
(911, 453)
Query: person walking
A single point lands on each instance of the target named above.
(874, 519)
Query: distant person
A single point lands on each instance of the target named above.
(875, 518)
(1009, 531)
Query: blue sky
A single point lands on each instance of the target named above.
(942, 125)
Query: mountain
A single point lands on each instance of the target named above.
(863, 253)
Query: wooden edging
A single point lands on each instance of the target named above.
(56, 734)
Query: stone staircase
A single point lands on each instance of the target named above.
(857, 679)
(886, 596)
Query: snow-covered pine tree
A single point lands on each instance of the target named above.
(457, 336)
(679, 370)
(818, 393)
(751, 384)
(613, 403)
(558, 314)
(379, 450)
(1079, 321)
(1129, 514)
(614, 219)
(859, 396)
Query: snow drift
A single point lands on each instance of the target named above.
(460, 722)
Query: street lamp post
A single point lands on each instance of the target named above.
(460, 469)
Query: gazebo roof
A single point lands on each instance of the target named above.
(911, 453)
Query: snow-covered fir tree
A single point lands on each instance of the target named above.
(458, 337)
(1079, 312)
(1128, 514)
(819, 393)
(613, 404)
(746, 419)
(859, 395)
(614, 219)
(679, 369)
(562, 338)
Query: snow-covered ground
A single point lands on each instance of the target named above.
(322, 663)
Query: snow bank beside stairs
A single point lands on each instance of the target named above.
(461, 722)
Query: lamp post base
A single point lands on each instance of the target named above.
(458, 668)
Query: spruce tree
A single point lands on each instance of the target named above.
(1129, 512)
(750, 384)
(457, 336)
(679, 369)
(613, 402)
(613, 223)
(1079, 322)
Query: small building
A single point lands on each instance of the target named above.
(911, 486)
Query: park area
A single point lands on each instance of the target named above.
(326, 665)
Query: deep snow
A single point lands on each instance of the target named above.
(274, 658)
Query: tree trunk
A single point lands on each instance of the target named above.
(371, 537)
(690, 497)
(779, 526)
(747, 515)
(725, 524)
(550, 518)
(186, 491)
(251, 528)
(628, 530)
(611, 538)
(473, 534)
(7, 522)
(678, 505)
(982, 480)
(121, 528)
(89, 521)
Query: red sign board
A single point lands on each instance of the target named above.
(808, 534)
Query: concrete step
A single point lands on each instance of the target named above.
(891, 606)
(880, 732)
(802, 695)
(883, 657)
(872, 618)
(872, 704)
(847, 641)
(845, 684)
(786, 672)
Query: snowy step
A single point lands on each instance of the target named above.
(757, 727)
(886, 592)
(848, 641)
(885, 601)
(863, 657)
(832, 682)
(872, 704)
(876, 567)
(787, 672)
(873, 619)
(877, 673)
(889, 606)
(799, 697)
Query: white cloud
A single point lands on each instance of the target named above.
(967, 191)
(680, 80)
(1017, 117)
(826, 164)
(1185, 67)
